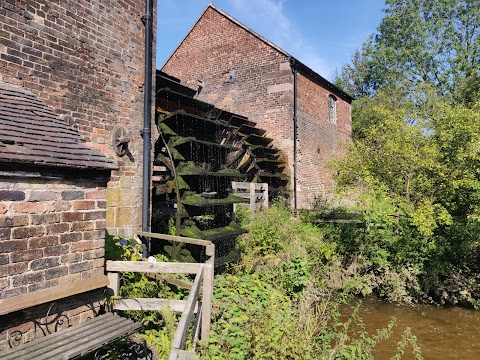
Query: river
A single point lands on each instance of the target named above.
(442, 333)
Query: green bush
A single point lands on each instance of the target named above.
(251, 320)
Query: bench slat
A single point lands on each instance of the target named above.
(38, 297)
(68, 336)
(75, 340)
(93, 341)
(51, 338)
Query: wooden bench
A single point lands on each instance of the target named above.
(77, 340)
(73, 341)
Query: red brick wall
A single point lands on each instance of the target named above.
(262, 87)
(262, 90)
(51, 232)
(76, 309)
(85, 59)
(319, 140)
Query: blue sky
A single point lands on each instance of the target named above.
(322, 34)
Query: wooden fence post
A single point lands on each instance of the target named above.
(265, 195)
(207, 292)
(114, 283)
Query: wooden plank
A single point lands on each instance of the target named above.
(246, 186)
(173, 354)
(38, 297)
(265, 196)
(177, 282)
(153, 267)
(207, 298)
(159, 168)
(186, 355)
(165, 160)
(93, 341)
(210, 250)
(186, 318)
(114, 283)
(180, 239)
(149, 304)
(243, 195)
(196, 324)
(252, 196)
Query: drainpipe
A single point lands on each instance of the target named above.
(293, 66)
(146, 133)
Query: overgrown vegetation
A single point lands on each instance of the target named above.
(414, 165)
(278, 301)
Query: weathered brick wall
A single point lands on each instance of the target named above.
(262, 83)
(262, 89)
(51, 232)
(85, 58)
(319, 140)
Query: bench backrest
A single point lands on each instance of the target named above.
(43, 296)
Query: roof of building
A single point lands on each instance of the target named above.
(32, 134)
(301, 67)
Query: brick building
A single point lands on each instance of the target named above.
(71, 73)
(238, 70)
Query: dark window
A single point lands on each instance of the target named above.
(332, 109)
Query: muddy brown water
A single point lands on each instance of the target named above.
(442, 333)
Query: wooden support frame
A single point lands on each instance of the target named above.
(182, 329)
(203, 284)
(256, 193)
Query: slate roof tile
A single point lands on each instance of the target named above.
(31, 133)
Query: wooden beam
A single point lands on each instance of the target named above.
(38, 297)
(179, 239)
(186, 355)
(114, 283)
(176, 282)
(186, 318)
(207, 298)
(174, 354)
(210, 250)
(166, 161)
(148, 304)
(153, 267)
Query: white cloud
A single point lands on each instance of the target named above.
(269, 19)
(317, 64)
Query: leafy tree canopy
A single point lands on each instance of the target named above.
(419, 41)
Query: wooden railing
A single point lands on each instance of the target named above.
(203, 283)
(256, 193)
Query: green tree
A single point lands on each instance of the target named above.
(418, 41)
(419, 163)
